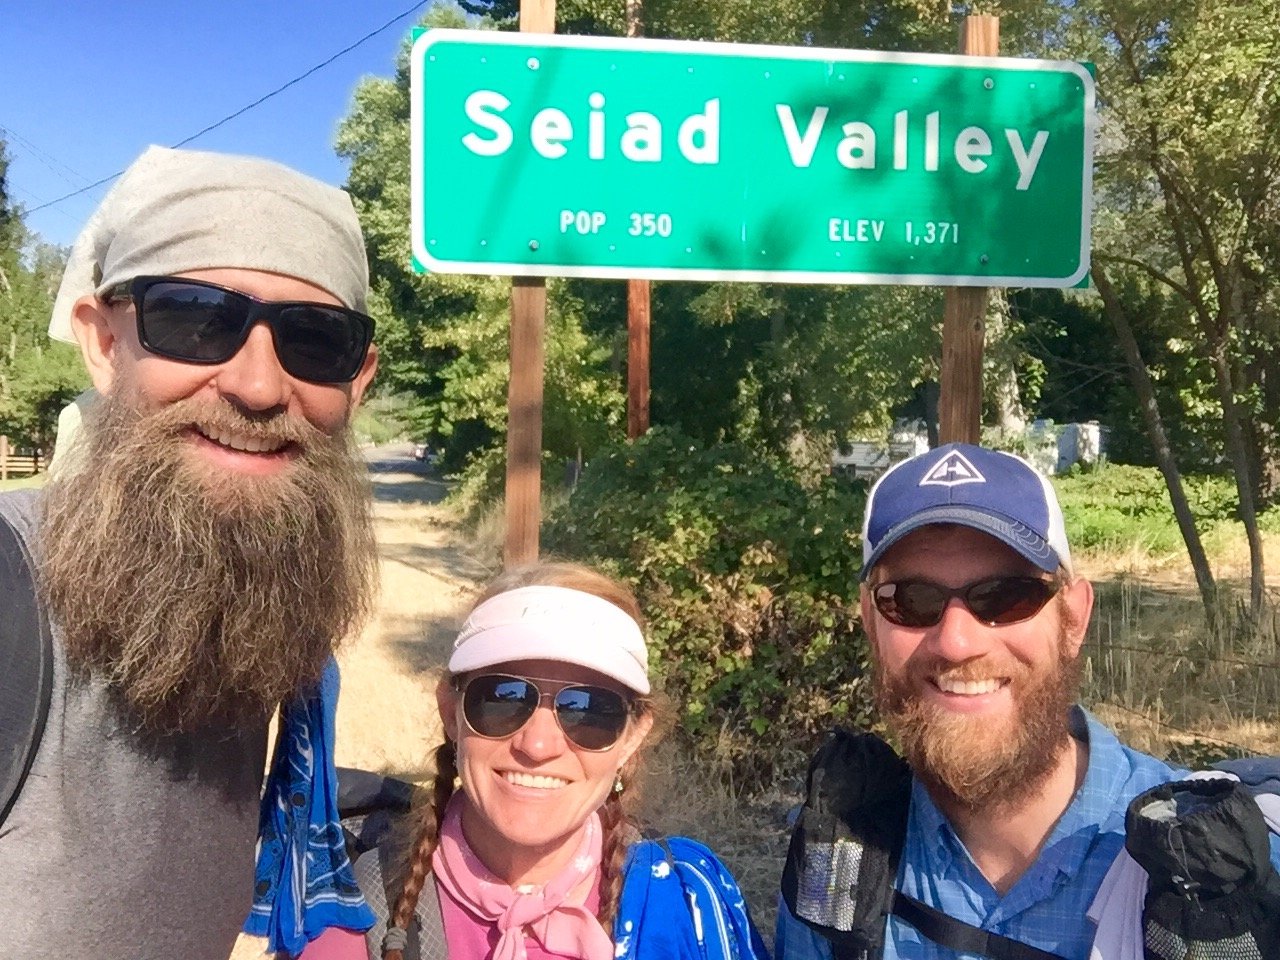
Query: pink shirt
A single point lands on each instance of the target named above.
(471, 938)
(335, 943)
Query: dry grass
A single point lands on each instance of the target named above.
(1157, 674)
(23, 483)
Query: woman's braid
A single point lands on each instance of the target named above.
(426, 838)
(617, 833)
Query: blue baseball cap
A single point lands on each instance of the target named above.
(997, 493)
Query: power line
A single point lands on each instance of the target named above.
(21, 191)
(46, 159)
(297, 79)
(263, 99)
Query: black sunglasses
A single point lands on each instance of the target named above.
(996, 602)
(496, 705)
(199, 322)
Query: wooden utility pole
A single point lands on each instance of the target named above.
(964, 308)
(638, 303)
(638, 307)
(524, 392)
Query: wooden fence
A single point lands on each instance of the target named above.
(13, 464)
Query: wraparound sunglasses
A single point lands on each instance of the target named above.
(998, 601)
(496, 705)
(199, 322)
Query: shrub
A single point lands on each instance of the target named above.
(748, 577)
(1200, 754)
(1117, 507)
(1269, 520)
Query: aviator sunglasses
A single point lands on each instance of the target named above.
(496, 705)
(199, 322)
(996, 602)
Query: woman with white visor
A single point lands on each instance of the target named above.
(546, 703)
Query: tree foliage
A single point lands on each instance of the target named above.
(1189, 179)
(37, 378)
(789, 368)
(1187, 226)
(747, 572)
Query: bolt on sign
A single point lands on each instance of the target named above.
(543, 155)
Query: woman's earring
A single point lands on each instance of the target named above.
(618, 785)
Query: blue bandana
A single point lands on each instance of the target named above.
(304, 883)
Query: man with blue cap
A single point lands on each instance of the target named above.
(992, 833)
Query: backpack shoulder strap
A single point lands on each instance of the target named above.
(739, 935)
(959, 936)
(26, 666)
(431, 924)
(847, 843)
(377, 871)
(719, 920)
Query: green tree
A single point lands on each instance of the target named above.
(872, 24)
(1086, 372)
(37, 378)
(1190, 174)
(799, 368)
(788, 368)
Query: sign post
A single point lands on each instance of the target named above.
(964, 309)
(650, 159)
(639, 303)
(524, 390)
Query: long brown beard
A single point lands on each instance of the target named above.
(204, 600)
(961, 758)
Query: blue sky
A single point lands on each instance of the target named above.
(86, 85)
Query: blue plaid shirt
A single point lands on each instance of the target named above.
(1046, 907)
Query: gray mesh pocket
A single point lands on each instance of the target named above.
(1167, 945)
(825, 890)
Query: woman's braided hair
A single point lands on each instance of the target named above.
(619, 827)
(426, 834)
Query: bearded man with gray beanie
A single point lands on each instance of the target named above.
(1014, 825)
(204, 546)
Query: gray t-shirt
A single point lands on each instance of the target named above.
(126, 845)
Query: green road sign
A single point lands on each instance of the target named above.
(543, 155)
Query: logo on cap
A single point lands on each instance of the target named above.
(951, 471)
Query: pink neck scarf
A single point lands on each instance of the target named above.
(564, 928)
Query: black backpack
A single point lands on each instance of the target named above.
(26, 666)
